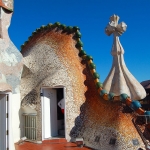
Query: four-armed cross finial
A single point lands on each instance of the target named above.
(114, 28)
(120, 80)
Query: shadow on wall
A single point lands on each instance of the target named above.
(29, 100)
(77, 129)
(26, 109)
(80, 121)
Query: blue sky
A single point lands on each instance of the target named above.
(92, 16)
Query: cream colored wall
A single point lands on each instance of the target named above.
(15, 117)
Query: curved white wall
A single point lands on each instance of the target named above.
(15, 118)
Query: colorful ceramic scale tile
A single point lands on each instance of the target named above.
(8, 4)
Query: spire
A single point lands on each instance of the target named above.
(120, 80)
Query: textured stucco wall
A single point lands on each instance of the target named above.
(51, 59)
(105, 120)
(53, 62)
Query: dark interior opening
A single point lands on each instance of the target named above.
(60, 115)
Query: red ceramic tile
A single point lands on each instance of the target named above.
(61, 140)
(49, 146)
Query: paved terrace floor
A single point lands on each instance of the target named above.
(50, 145)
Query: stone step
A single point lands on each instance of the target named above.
(55, 140)
(61, 132)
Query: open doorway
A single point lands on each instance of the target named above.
(53, 117)
(61, 112)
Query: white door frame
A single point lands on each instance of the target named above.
(3, 129)
(7, 115)
(42, 107)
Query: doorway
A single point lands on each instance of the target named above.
(53, 118)
(4, 122)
